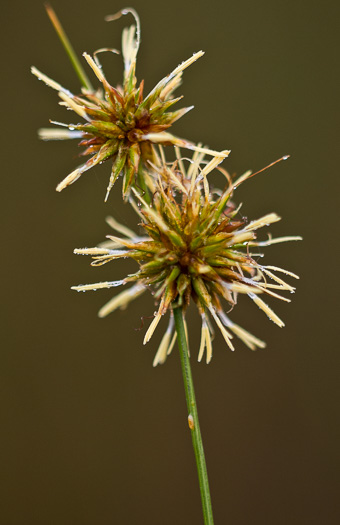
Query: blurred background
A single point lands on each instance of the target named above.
(91, 432)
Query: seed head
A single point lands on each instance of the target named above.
(195, 247)
(120, 123)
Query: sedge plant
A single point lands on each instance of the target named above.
(192, 246)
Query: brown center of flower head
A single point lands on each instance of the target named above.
(185, 260)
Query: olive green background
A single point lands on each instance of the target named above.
(91, 434)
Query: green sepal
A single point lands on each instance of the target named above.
(152, 231)
(99, 127)
(106, 151)
(196, 242)
(174, 274)
(130, 79)
(119, 163)
(218, 238)
(134, 155)
(217, 261)
(170, 294)
(159, 277)
(201, 290)
(157, 264)
(176, 239)
(127, 180)
(221, 204)
(161, 108)
(231, 254)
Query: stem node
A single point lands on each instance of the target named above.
(191, 422)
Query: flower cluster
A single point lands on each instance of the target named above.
(195, 246)
(120, 123)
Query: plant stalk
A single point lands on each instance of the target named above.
(193, 417)
(68, 48)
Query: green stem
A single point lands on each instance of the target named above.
(193, 417)
(68, 48)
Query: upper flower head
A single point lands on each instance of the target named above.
(196, 248)
(120, 123)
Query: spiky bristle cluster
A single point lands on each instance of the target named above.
(195, 247)
(120, 123)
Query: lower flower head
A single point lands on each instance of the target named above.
(195, 247)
